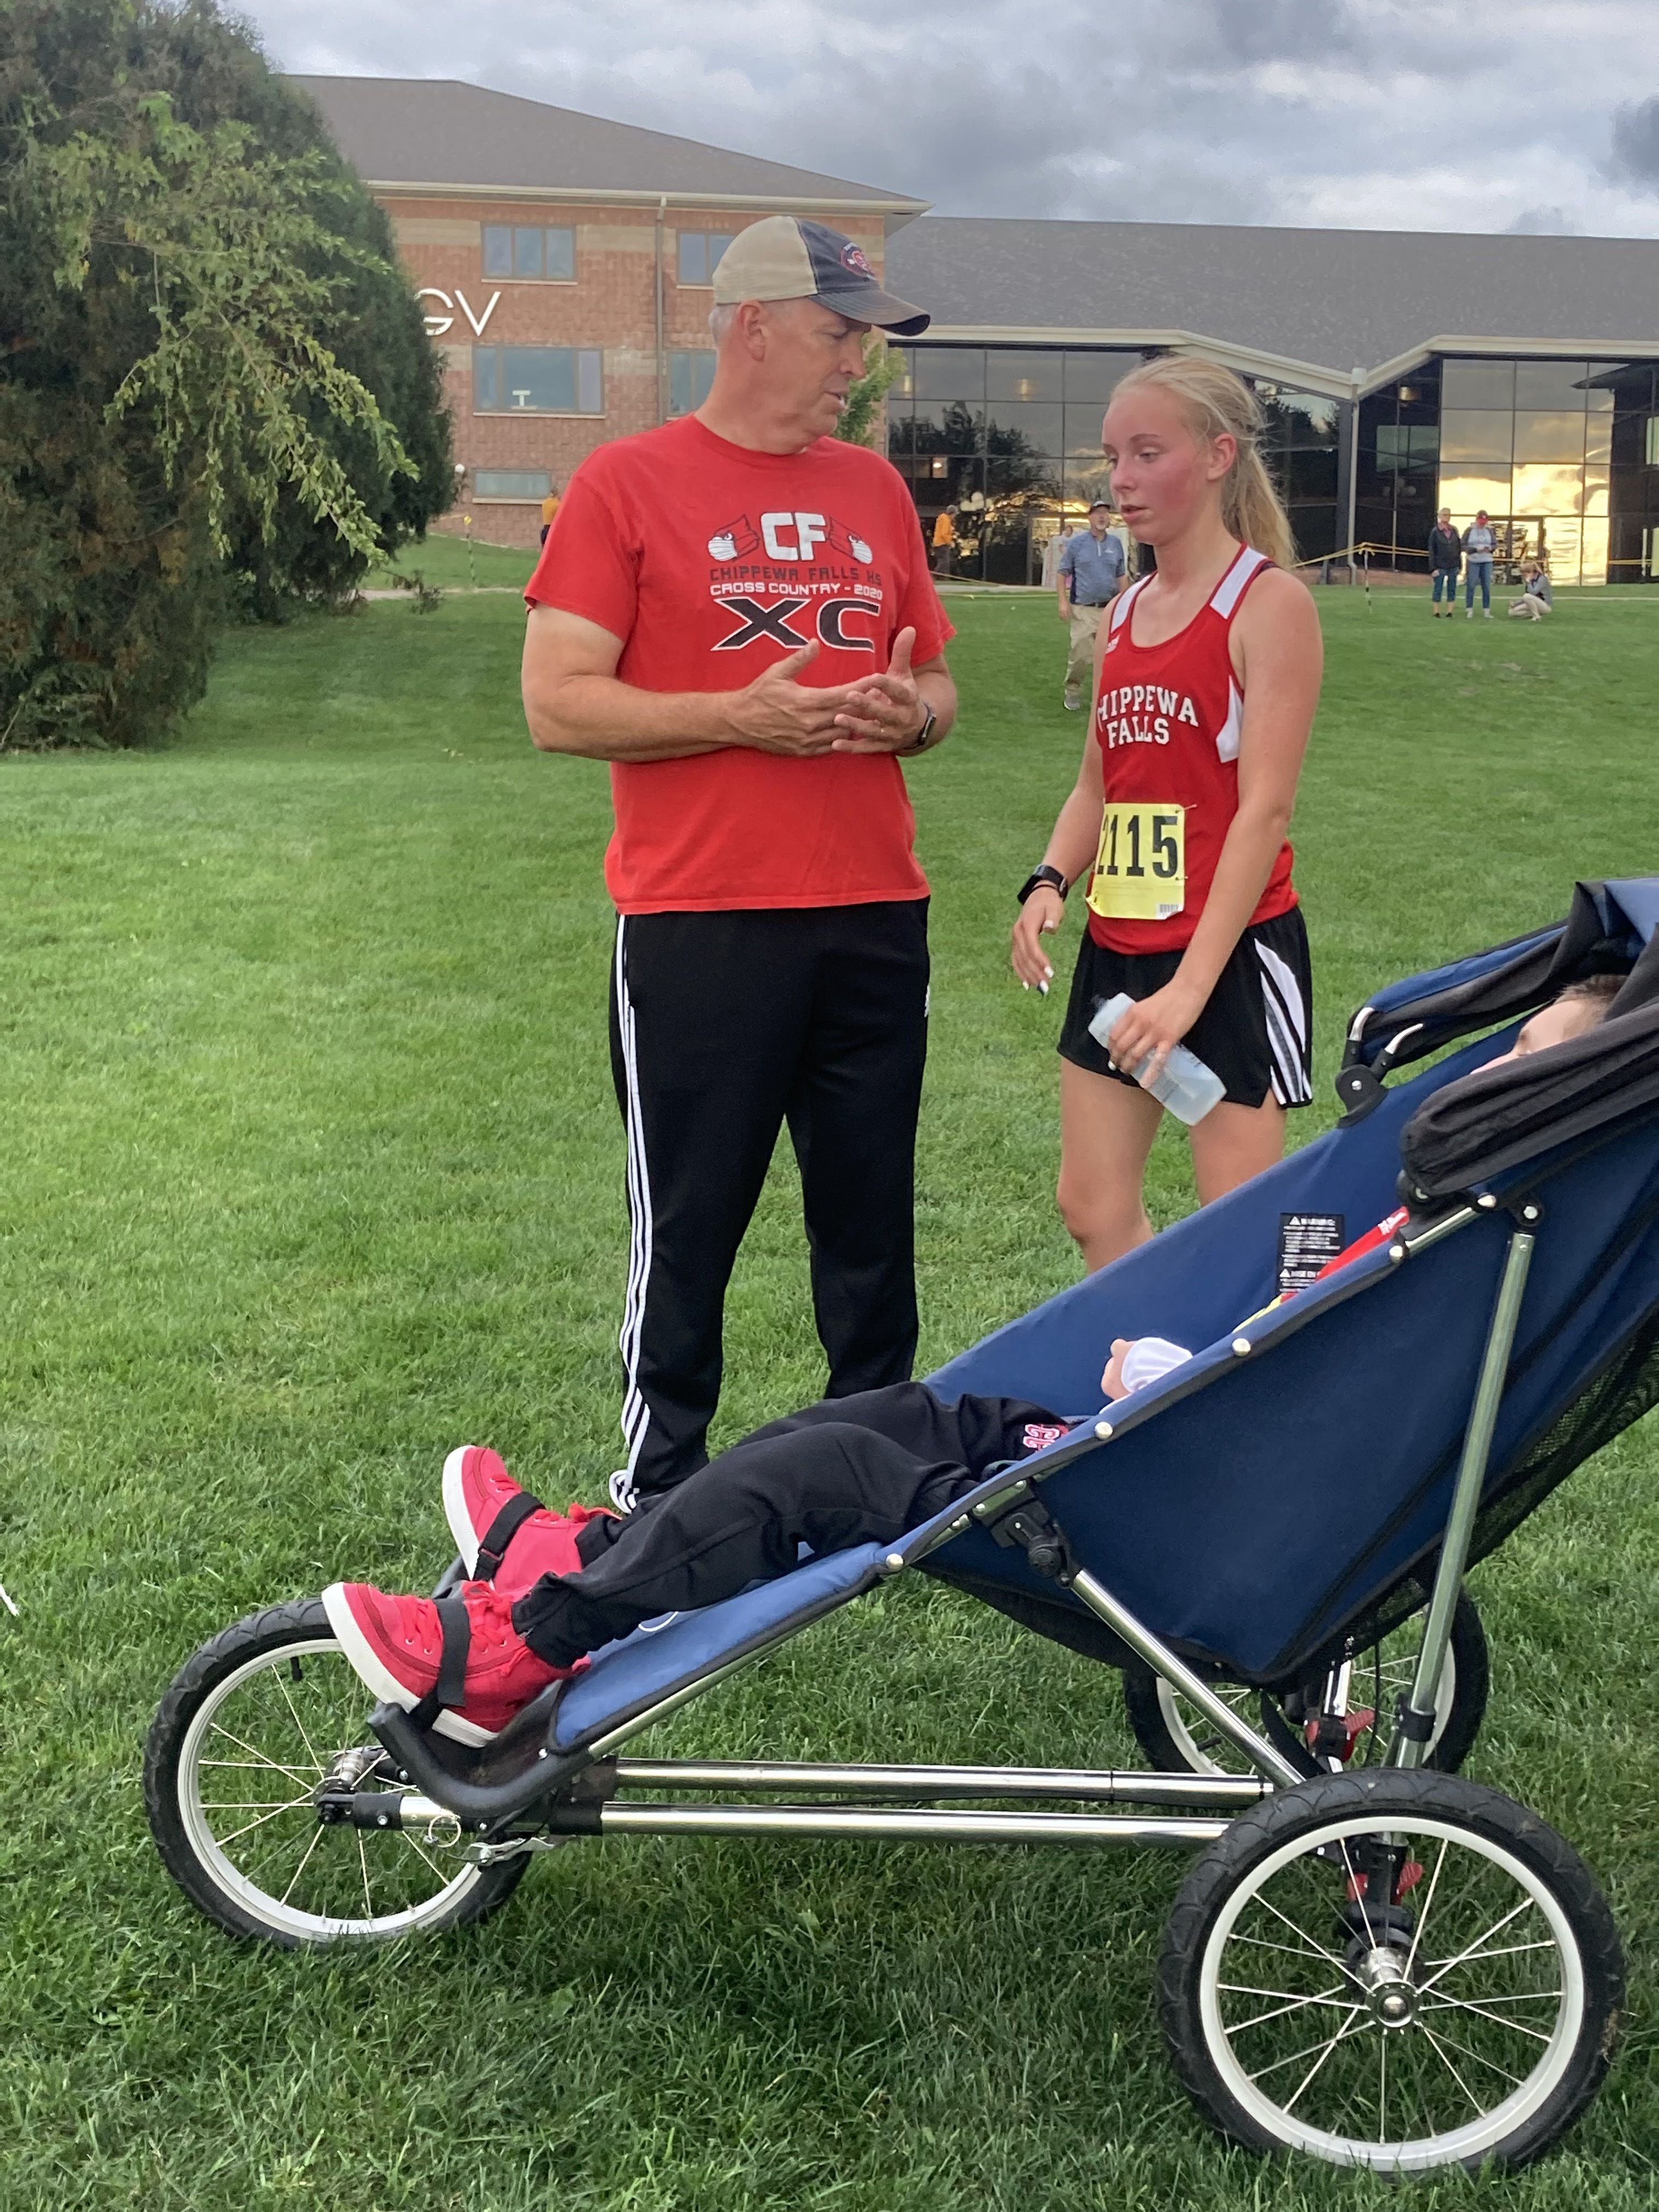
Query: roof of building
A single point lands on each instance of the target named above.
(436, 131)
(1282, 302)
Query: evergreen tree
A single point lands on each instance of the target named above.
(214, 383)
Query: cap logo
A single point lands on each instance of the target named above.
(853, 256)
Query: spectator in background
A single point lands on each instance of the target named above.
(1480, 544)
(549, 509)
(1537, 600)
(1445, 559)
(945, 541)
(1089, 575)
(1051, 553)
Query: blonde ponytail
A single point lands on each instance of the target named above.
(1213, 400)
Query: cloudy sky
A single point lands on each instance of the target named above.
(1536, 115)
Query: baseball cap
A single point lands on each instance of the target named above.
(784, 256)
(1094, 503)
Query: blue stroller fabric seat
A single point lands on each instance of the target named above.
(637, 1670)
(1256, 1504)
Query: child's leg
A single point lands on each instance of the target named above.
(740, 1519)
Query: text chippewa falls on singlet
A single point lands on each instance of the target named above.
(1142, 714)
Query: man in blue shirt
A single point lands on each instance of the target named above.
(1090, 577)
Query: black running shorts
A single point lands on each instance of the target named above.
(1256, 1030)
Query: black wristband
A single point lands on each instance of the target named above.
(924, 738)
(1040, 876)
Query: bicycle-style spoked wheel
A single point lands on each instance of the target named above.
(236, 1754)
(1177, 1738)
(1398, 1971)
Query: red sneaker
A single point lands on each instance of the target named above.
(505, 1535)
(398, 1647)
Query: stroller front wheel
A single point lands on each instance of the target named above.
(1178, 1740)
(236, 1754)
(1392, 1970)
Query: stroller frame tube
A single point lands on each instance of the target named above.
(1411, 1749)
(1263, 1755)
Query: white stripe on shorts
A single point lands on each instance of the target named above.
(1287, 1027)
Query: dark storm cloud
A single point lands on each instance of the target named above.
(1375, 113)
(1636, 144)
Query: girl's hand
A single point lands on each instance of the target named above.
(1040, 917)
(1156, 1026)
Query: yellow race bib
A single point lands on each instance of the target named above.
(1140, 870)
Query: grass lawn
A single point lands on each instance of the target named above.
(454, 562)
(312, 1170)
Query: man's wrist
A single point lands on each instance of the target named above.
(927, 736)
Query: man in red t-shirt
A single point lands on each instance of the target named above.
(735, 611)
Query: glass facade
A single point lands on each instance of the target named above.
(1554, 451)
(1634, 473)
(1011, 437)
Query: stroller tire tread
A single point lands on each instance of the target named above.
(263, 1635)
(1483, 1812)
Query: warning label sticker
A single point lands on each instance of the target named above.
(1307, 1242)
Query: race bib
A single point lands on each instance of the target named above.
(1140, 870)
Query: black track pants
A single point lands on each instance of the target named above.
(847, 1471)
(723, 1027)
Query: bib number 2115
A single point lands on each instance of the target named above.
(1140, 870)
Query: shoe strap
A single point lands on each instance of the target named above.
(492, 1545)
(450, 1688)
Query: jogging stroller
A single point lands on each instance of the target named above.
(1383, 1964)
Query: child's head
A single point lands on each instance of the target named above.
(1179, 432)
(1578, 1009)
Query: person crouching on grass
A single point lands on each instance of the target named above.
(1208, 674)
(547, 1588)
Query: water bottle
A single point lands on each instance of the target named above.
(1186, 1085)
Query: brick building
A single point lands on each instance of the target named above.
(565, 265)
(565, 262)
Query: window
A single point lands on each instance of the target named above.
(530, 252)
(699, 253)
(1554, 436)
(1406, 445)
(511, 483)
(1651, 451)
(1022, 377)
(689, 376)
(1477, 383)
(537, 380)
(1479, 435)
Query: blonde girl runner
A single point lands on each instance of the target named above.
(1207, 678)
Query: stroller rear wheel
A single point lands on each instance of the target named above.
(1177, 1739)
(1398, 1971)
(236, 1754)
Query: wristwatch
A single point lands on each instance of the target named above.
(924, 735)
(1038, 877)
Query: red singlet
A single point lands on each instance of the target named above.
(1168, 720)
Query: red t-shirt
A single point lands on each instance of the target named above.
(710, 563)
(1167, 719)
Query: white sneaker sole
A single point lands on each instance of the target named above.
(455, 1512)
(378, 1679)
